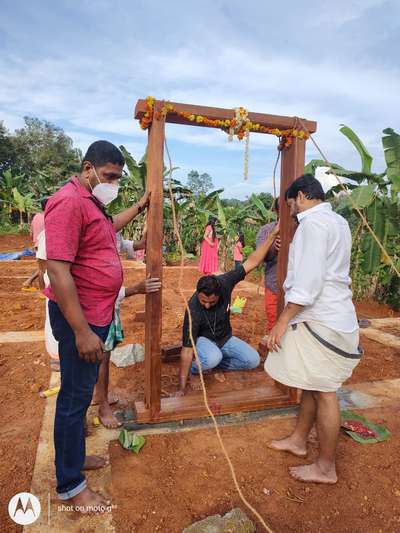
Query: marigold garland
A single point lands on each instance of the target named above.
(226, 125)
(239, 126)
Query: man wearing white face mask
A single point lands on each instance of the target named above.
(85, 275)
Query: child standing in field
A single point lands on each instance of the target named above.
(238, 249)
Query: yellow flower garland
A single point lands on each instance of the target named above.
(240, 126)
(225, 125)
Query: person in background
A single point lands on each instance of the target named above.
(50, 342)
(314, 344)
(211, 330)
(132, 248)
(37, 226)
(270, 269)
(238, 249)
(209, 249)
(86, 276)
(115, 336)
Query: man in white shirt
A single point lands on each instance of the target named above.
(314, 344)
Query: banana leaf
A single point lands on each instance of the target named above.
(363, 195)
(366, 157)
(266, 213)
(137, 171)
(312, 166)
(18, 199)
(131, 441)
(372, 252)
(374, 432)
(221, 214)
(391, 147)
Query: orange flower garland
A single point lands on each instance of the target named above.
(227, 125)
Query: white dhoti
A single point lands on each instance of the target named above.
(305, 363)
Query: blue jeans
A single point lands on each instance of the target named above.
(235, 354)
(78, 379)
(238, 264)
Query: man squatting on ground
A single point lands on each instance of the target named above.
(211, 328)
(314, 345)
(86, 275)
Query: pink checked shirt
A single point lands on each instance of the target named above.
(78, 231)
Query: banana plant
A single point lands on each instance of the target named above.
(391, 148)
(22, 203)
(377, 196)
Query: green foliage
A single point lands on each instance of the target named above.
(131, 441)
(376, 195)
(372, 252)
(391, 147)
(366, 157)
(363, 196)
(199, 183)
(34, 162)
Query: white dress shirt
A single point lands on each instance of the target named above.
(318, 270)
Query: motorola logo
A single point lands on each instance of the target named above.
(24, 508)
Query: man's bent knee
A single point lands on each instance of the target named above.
(253, 359)
(209, 353)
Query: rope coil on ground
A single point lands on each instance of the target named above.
(205, 397)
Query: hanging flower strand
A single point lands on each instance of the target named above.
(240, 126)
(168, 108)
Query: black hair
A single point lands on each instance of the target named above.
(275, 205)
(43, 203)
(211, 222)
(100, 153)
(241, 237)
(209, 285)
(308, 185)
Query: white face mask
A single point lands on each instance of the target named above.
(105, 192)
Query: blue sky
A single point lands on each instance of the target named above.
(83, 64)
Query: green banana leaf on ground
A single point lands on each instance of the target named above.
(362, 430)
(131, 441)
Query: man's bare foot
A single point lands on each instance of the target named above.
(219, 376)
(94, 462)
(107, 417)
(89, 502)
(112, 399)
(195, 382)
(288, 445)
(313, 474)
(313, 436)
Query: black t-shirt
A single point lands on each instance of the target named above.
(213, 323)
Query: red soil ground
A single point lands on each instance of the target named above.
(180, 478)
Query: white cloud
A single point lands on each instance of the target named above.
(88, 79)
